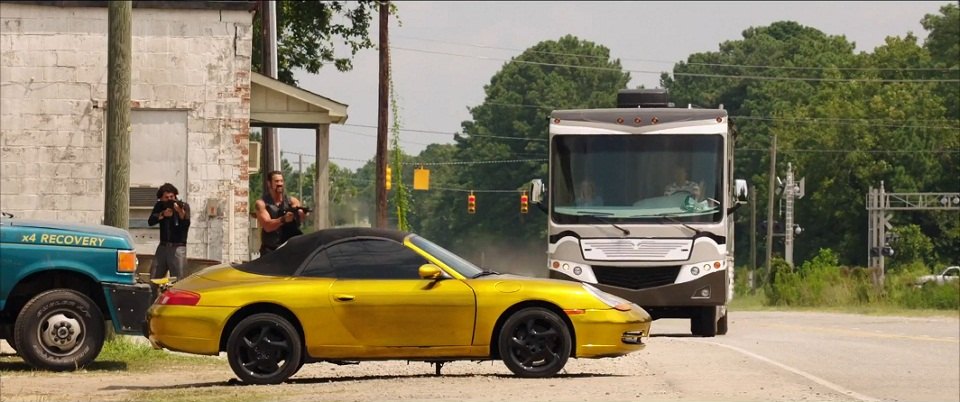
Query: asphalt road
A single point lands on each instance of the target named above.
(766, 356)
(833, 356)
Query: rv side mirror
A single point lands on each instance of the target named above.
(536, 191)
(740, 190)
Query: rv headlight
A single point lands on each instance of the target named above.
(608, 299)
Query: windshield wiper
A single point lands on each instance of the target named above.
(675, 220)
(596, 215)
(485, 273)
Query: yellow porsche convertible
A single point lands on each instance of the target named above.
(356, 294)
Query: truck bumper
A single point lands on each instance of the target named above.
(128, 306)
(676, 294)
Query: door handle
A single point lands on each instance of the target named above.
(343, 298)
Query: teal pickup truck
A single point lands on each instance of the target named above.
(59, 283)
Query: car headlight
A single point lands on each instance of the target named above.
(608, 299)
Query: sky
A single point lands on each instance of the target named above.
(444, 53)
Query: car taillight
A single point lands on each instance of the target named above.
(175, 297)
(127, 261)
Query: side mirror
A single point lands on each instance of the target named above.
(536, 191)
(739, 194)
(430, 271)
(740, 190)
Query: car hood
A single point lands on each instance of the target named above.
(114, 238)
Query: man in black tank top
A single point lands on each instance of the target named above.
(276, 227)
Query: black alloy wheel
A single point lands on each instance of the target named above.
(264, 349)
(534, 343)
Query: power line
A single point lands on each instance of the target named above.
(872, 151)
(374, 136)
(449, 133)
(487, 162)
(463, 190)
(415, 163)
(687, 63)
(703, 75)
(843, 121)
(846, 121)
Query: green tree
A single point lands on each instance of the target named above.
(511, 124)
(943, 43)
(911, 246)
(845, 121)
(308, 33)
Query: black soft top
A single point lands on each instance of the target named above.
(285, 260)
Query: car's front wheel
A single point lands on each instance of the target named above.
(534, 343)
(264, 349)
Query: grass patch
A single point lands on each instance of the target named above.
(120, 353)
(139, 355)
(219, 394)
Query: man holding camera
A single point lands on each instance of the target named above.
(173, 216)
(279, 216)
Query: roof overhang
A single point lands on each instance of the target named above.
(277, 104)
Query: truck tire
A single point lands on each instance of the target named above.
(59, 330)
(704, 322)
(722, 324)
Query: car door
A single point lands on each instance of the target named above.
(380, 299)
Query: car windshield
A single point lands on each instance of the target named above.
(462, 266)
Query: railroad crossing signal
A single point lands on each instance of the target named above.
(471, 204)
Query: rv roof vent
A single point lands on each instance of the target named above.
(643, 98)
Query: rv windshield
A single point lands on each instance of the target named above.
(637, 178)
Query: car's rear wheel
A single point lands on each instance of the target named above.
(59, 330)
(264, 349)
(534, 343)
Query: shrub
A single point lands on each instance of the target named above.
(822, 282)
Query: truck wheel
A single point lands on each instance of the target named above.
(704, 322)
(722, 324)
(59, 330)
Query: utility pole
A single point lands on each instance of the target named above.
(382, 116)
(753, 235)
(771, 189)
(116, 207)
(788, 217)
(270, 151)
(300, 177)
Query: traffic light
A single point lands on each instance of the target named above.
(471, 204)
(524, 206)
(389, 179)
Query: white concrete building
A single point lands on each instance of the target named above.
(190, 118)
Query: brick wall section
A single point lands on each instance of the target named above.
(53, 83)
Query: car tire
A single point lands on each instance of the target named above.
(534, 343)
(59, 330)
(264, 349)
